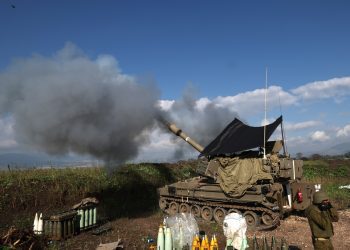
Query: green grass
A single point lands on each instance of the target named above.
(124, 191)
(331, 174)
(128, 190)
(55, 185)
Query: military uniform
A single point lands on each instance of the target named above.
(320, 221)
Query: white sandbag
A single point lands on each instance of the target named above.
(235, 228)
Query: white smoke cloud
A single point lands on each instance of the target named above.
(332, 88)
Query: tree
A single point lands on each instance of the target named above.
(316, 157)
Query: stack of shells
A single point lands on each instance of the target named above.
(87, 217)
(203, 244)
(165, 242)
(38, 224)
(164, 238)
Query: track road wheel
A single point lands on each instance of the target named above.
(219, 214)
(184, 208)
(252, 219)
(173, 208)
(196, 211)
(233, 210)
(267, 219)
(162, 203)
(207, 213)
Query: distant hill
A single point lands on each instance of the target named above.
(24, 160)
(21, 159)
(338, 149)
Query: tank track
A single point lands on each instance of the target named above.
(274, 215)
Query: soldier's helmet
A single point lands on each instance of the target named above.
(319, 197)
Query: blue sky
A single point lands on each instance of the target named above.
(220, 48)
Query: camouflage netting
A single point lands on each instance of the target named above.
(238, 174)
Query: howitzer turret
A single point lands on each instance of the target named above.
(238, 179)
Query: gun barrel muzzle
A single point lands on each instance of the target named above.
(173, 128)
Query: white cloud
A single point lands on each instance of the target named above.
(267, 121)
(253, 101)
(319, 136)
(202, 103)
(296, 143)
(249, 103)
(301, 125)
(165, 104)
(296, 140)
(332, 88)
(344, 131)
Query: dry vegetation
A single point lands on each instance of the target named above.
(128, 198)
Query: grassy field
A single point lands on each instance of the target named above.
(128, 190)
(331, 174)
(123, 191)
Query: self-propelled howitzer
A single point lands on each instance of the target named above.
(263, 188)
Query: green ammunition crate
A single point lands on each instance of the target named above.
(88, 216)
(61, 226)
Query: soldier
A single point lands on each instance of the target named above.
(321, 214)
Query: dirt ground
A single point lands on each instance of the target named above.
(134, 233)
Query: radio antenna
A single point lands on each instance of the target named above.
(265, 114)
(282, 130)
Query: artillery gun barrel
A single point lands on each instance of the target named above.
(173, 128)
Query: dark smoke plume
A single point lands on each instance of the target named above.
(70, 103)
(201, 122)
